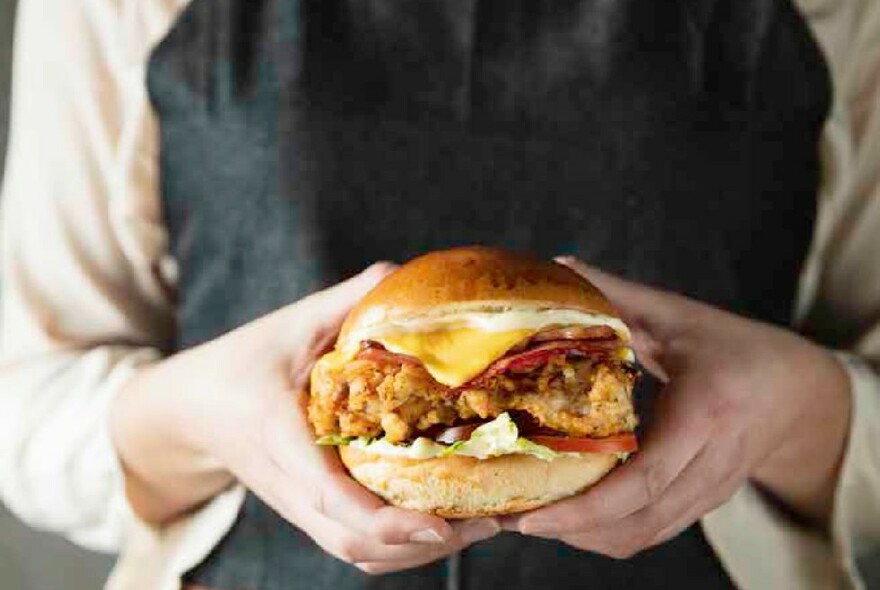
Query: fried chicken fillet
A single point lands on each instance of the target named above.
(458, 344)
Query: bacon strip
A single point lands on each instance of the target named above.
(372, 351)
(538, 355)
(599, 341)
(575, 333)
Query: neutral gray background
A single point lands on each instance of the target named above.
(7, 11)
(30, 560)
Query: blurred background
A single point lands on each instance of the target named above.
(30, 560)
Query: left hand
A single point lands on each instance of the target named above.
(741, 400)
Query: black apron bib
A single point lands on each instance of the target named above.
(672, 142)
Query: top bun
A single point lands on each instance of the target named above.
(474, 278)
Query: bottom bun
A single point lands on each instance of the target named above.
(464, 487)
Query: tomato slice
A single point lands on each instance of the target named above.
(619, 443)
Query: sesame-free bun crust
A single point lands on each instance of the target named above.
(465, 487)
(477, 279)
(474, 278)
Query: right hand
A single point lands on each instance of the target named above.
(234, 409)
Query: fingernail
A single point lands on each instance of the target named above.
(382, 267)
(427, 536)
(530, 526)
(478, 530)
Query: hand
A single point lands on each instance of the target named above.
(234, 408)
(741, 400)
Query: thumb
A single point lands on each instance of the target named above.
(309, 327)
(318, 317)
(657, 312)
(330, 306)
(655, 317)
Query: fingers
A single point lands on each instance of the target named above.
(335, 301)
(672, 442)
(309, 326)
(352, 524)
(649, 334)
(468, 532)
(363, 549)
(293, 499)
(353, 547)
(659, 313)
(367, 551)
(324, 487)
(343, 500)
(704, 485)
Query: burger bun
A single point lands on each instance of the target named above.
(465, 487)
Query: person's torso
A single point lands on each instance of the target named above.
(674, 143)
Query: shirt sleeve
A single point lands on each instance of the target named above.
(855, 527)
(83, 303)
(845, 313)
(839, 304)
(839, 307)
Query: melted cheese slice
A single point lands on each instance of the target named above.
(455, 347)
(454, 356)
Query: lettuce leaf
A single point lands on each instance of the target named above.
(492, 439)
(451, 449)
(334, 440)
(527, 447)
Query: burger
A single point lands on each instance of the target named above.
(476, 381)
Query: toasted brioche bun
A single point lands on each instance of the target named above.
(472, 278)
(464, 487)
(463, 280)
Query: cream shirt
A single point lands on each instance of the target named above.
(87, 283)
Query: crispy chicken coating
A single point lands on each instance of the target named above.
(579, 397)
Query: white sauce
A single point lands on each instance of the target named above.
(492, 321)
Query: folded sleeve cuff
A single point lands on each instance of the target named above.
(763, 548)
(855, 524)
(155, 558)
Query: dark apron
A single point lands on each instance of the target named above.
(672, 142)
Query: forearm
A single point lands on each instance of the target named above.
(58, 468)
(152, 423)
(803, 471)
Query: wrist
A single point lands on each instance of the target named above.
(802, 471)
(165, 473)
